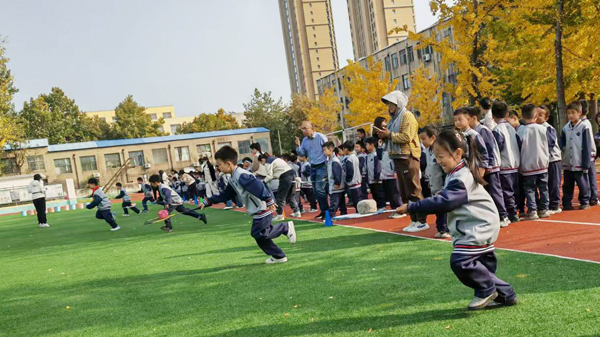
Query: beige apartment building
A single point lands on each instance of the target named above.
(309, 40)
(166, 112)
(102, 159)
(372, 20)
(400, 59)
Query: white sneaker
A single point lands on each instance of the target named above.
(273, 260)
(43, 225)
(278, 218)
(504, 223)
(228, 207)
(296, 215)
(442, 235)
(397, 216)
(313, 210)
(291, 232)
(125, 215)
(115, 229)
(418, 227)
(478, 303)
(554, 211)
(412, 224)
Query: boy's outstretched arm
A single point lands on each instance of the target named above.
(97, 200)
(121, 195)
(227, 194)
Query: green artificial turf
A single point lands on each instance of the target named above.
(211, 280)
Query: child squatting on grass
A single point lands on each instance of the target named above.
(473, 221)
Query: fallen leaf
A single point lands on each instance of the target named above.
(522, 275)
(286, 314)
(370, 330)
(260, 298)
(296, 306)
(588, 310)
(49, 269)
(437, 258)
(448, 327)
(330, 297)
(68, 307)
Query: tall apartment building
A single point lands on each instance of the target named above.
(309, 40)
(371, 20)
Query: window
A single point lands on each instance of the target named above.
(394, 60)
(160, 156)
(182, 153)
(224, 144)
(403, 57)
(167, 115)
(264, 144)
(137, 158)
(204, 150)
(174, 128)
(387, 63)
(395, 21)
(112, 160)
(62, 166)
(36, 163)
(153, 117)
(411, 54)
(244, 146)
(405, 82)
(9, 166)
(88, 163)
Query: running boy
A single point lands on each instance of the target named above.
(352, 170)
(576, 147)
(535, 158)
(172, 202)
(555, 166)
(336, 179)
(101, 201)
(147, 190)
(510, 158)
(467, 203)
(259, 203)
(126, 200)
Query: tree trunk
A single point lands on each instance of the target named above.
(593, 106)
(560, 84)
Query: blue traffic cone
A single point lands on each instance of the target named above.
(328, 222)
(196, 201)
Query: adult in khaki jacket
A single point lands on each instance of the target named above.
(405, 149)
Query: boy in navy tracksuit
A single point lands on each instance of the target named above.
(535, 159)
(147, 190)
(259, 203)
(126, 200)
(492, 171)
(388, 172)
(462, 121)
(435, 176)
(101, 201)
(592, 169)
(576, 147)
(172, 202)
(374, 173)
(361, 153)
(473, 221)
(336, 179)
(510, 158)
(352, 172)
(306, 188)
(555, 166)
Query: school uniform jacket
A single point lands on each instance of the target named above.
(473, 218)
(554, 150)
(491, 146)
(576, 147)
(387, 164)
(510, 155)
(373, 168)
(335, 175)
(123, 195)
(275, 168)
(252, 191)
(362, 164)
(168, 196)
(100, 200)
(305, 170)
(588, 126)
(147, 190)
(433, 172)
(352, 171)
(473, 136)
(534, 145)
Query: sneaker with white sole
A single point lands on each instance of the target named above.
(278, 217)
(442, 235)
(43, 225)
(125, 215)
(291, 234)
(478, 303)
(418, 227)
(312, 210)
(228, 207)
(504, 223)
(115, 229)
(397, 216)
(543, 214)
(296, 215)
(273, 260)
(555, 211)
(532, 216)
(411, 225)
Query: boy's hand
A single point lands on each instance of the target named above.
(297, 141)
(273, 208)
(402, 209)
(481, 172)
(337, 187)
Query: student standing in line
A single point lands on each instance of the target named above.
(555, 166)
(337, 181)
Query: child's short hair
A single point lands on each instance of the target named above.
(255, 146)
(93, 181)
(528, 111)
(348, 145)
(429, 130)
(546, 110)
(474, 112)
(119, 185)
(329, 145)
(293, 157)
(155, 178)
(499, 109)
(228, 154)
(461, 111)
(338, 151)
(140, 179)
(451, 140)
(584, 107)
(247, 159)
(240, 165)
(263, 156)
(513, 113)
(371, 140)
(361, 144)
(361, 130)
(575, 106)
(485, 103)
(379, 121)
(286, 156)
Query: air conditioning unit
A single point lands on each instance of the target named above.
(96, 175)
(426, 57)
(147, 165)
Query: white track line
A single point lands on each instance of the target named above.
(571, 222)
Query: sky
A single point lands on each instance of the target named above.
(198, 55)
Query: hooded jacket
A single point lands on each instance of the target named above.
(404, 138)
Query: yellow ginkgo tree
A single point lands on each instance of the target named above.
(324, 114)
(426, 96)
